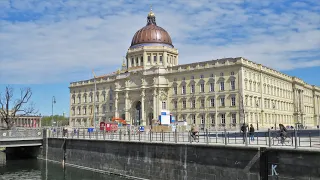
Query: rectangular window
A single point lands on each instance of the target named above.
(193, 118)
(211, 87)
(175, 90)
(212, 102)
(85, 99)
(154, 58)
(90, 98)
(183, 89)
(223, 118)
(233, 101)
(164, 106)
(104, 109)
(222, 86)
(233, 86)
(192, 88)
(110, 107)
(137, 61)
(104, 97)
(193, 103)
(184, 118)
(149, 58)
(97, 98)
(213, 119)
(78, 111)
(141, 60)
(202, 103)
(234, 118)
(97, 110)
(84, 111)
(201, 87)
(79, 99)
(202, 119)
(132, 62)
(73, 100)
(222, 101)
(161, 59)
(175, 104)
(184, 104)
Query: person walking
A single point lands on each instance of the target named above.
(251, 132)
(244, 131)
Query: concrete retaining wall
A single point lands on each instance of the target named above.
(185, 161)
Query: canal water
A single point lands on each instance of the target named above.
(33, 169)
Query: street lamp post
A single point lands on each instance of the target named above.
(53, 102)
(257, 117)
(274, 113)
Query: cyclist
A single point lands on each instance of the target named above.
(283, 132)
(194, 131)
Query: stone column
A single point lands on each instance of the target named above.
(158, 59)
(116, 114)
(145, 59)
(129, 62)
(164, 59)
(143, 119)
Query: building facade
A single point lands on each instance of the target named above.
(23, 121)
(220, 93)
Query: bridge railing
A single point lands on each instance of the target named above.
(21, 133)
(269, 138)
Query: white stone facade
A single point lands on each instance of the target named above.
(205, 93)
(220, 93)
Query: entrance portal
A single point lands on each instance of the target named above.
(137, 117)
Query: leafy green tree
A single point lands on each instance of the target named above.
(62, 121)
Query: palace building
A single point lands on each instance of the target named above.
(221, 93)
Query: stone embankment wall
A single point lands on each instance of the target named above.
(186, 161)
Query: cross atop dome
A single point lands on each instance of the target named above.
(151, 14)
(151, 19)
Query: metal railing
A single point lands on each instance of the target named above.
(292, 138)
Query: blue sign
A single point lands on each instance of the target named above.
(163, 113)
(141, 128)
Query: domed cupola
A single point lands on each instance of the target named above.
(151, 46)
(151, 34)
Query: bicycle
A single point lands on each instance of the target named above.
(282, 139)
(194, 136)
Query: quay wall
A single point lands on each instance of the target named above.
(151, 160)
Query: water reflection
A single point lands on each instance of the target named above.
(32, 169)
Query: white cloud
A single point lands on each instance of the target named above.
(55, 41)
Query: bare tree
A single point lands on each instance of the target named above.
(10, 106)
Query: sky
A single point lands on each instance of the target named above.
(46, 44)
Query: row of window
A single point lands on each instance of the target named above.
(202, 87)
(139, 61)
(202, 76)
(85, 110)
(212, 117)
(202, 103)
(85, 100)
